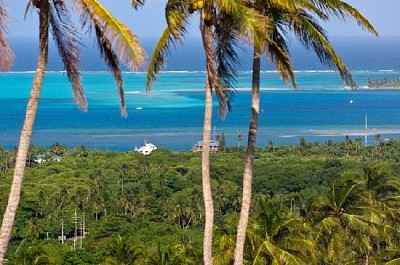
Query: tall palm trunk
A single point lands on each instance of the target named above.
(26, 133)
(248, 166)
(205, 159)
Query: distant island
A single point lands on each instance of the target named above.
(383, 82)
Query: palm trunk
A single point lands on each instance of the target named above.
(26, 133)
(205, 159)
(248, 166)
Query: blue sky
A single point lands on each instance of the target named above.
(149, 20)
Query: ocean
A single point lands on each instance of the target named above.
(171, 114)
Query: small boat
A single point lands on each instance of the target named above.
(139, 108)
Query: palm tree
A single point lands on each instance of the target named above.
(123, 251)
(125, 205)
(63, 198)
(115, 41)
(271, 146)
(225, 244)
(274, 236)
(58, 149)
(160, 256)
(358, 144)
(97, 207)
(295, 16)
(303, 146)
(220, 22)
(279, 237)
(340, 220)
(80, 197)
(6, 55)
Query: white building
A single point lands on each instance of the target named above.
(146, 149)
(214, 146)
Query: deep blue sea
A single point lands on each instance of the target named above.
(171, 115)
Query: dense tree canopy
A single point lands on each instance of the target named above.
(151, 206)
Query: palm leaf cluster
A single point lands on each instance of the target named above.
(116, 43)
(355, 223)
(230, 21)
(285, 19)
(301, 20)
(114, 40)
(267, 25)
(6, 55)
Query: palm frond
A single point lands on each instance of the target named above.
(387, 210)
(66, 39)
(115, 41)
(111, 60)
(177, 18)
(328, 225)
(305, 248)
(158, 58)
(227, 57)
(310, 6)
(336, 247)
(278, 53)
(391, 232)
(106, 50)
(313, 36)
(253, 26)
(6, 54)
(136, 3)
(345, 11)
(393, 262)
(355, 223)
(124, 42)
(28, 8)
(278, 255)
(346, 194)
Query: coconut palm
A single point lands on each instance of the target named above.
(274, 236)
(279, 236)
(123, 251)
(160, 256)
(6, 55)
(340, 220)
(381, 203)
(58, 149)
(220, 24)
(295, 16)
(116, 43)
(97, 207)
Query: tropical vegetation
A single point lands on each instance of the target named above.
(221, 24)
(289, 19)
(116, 43)
(352, 219)
(312, 203)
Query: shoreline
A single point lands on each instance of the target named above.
(179, 141)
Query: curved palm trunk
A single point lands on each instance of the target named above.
(26, 133)
(205, 158)
(248, 166)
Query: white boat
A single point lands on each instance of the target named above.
(146, 149)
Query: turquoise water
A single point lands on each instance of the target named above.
(171, 114)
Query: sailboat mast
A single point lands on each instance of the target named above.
(366, 129)
(214, 133)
